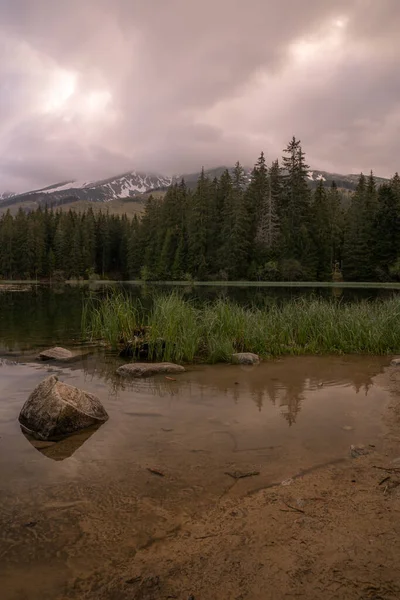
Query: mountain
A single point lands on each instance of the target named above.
(132, 188)
(344, 182)
(6, 195)
(125, 186)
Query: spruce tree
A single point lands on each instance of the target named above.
(387, 230)
(295, 208)
(198, 223)
(322, 234)
(357, 249)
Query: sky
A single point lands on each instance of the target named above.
(93, 88)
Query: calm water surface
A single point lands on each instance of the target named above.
(80, 506)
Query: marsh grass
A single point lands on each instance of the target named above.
(181, 331)
(112, 319)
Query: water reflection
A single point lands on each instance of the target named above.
(62, 449)
(284, 383)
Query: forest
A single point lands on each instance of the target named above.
(273, 229)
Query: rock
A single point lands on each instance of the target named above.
(245, 358)
(395, 362)
(146, 369)
(55, 410)
(287, 482)
(56, 353)
(357, 451)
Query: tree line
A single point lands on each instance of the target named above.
(274, 228)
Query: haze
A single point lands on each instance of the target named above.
(90, 89)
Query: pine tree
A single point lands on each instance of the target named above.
(336, 221)
(263, 213)
(134, 257)
(198, 223)
(237, 228)
(387, 230)
(295, 208)
(225, 208)
(7, 259)
(357, 250)
(321, 232)
(149, 238)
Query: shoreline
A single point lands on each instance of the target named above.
(239, 284)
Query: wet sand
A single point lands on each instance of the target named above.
(145, 507)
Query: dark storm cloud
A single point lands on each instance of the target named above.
(88, 89)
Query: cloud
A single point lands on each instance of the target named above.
(89, 89)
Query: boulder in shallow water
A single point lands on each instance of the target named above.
(245, 358)
(56, 353)
(55, 410)
(147, 369)
(395, 362)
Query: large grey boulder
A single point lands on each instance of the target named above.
(245, 358)
(55, 410)
(147, 369)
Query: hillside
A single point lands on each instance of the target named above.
(127, 193)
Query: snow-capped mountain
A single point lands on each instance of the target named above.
(134, 184)
(127, 185)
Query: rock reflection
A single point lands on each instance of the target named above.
(64, 448)
(285, 383)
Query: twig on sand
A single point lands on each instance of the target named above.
(240, 475)
(204, 537)
(156, 472)
(388, 469)
(384, 480)
(292, 508)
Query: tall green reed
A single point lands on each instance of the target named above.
(181, 331)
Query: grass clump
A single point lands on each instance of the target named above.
(112, 319)
(180, 331)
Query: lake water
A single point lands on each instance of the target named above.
(79, 509)
(36, 315)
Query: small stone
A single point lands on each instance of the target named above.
(147, 369)
(56, 353)
(287, 482)
(357, 451)
(245, 358)
(30, 524)
(395, 362)
(348, 428)
(61, 354)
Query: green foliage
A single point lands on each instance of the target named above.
(181, 332)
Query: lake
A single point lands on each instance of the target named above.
(35, 315)
(73, 514)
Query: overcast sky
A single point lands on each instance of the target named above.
(91, 88)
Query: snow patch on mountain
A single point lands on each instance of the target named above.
(313, 176)
(6, 195)
(71, 185)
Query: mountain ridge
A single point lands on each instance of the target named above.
(133, 185)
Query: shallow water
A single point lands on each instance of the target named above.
(73, 513)
(278, 417)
